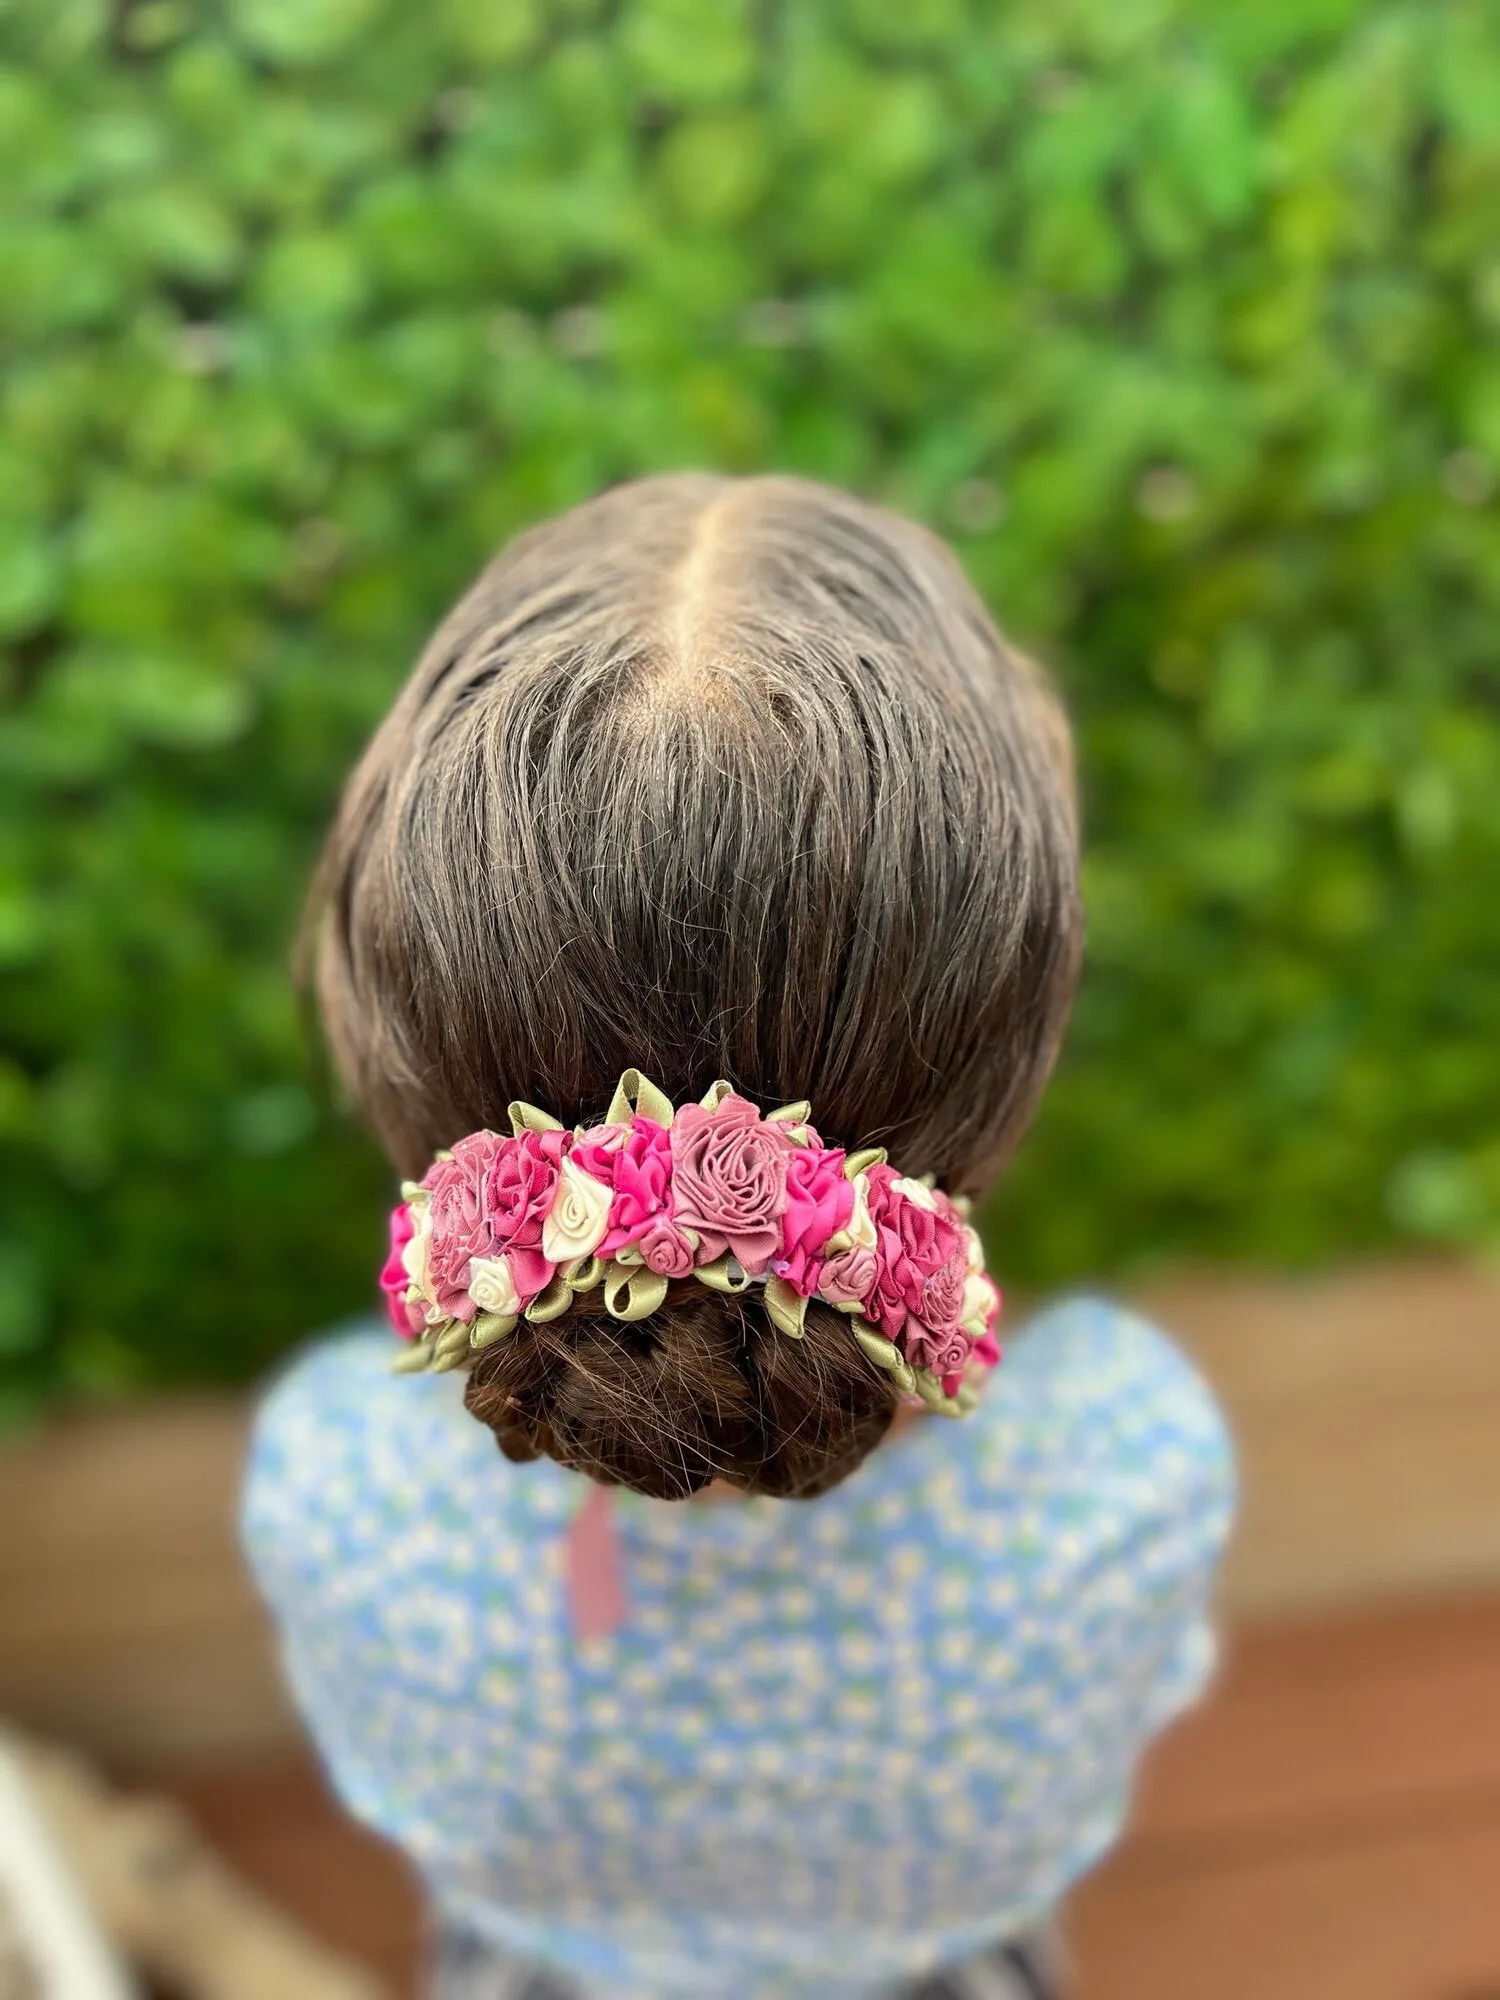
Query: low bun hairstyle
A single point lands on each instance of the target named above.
(705, 1388)
(713, 778)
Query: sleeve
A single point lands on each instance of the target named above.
(1174, 1469)
(1123, 1474)
(338, 1524)
(304, 1440)
(376, 1522)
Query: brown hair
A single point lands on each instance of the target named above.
(712, 777)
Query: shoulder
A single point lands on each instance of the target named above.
(345, 1458)
(1104, 1489)
(334, 1397)
(1100, 1420)
(1116, 1386)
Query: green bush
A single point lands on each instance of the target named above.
(1179, 316)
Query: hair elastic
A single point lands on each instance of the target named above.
(505, 1228)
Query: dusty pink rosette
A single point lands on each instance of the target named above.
(666, 1249)
(470, 1211)
(653, 1196)
(921, 1260)
(729, 1169)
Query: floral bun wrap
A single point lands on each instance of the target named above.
(505, 1228)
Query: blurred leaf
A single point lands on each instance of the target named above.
(491, 31)
(272, 1120)
(22, 1310)
(173, 228)
(1213, 140)
(715, 168)
(30, 579)
(311, 279)
(301, 31)
(688, 53)
(1436, 1194)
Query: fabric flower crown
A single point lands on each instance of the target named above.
(504, 1228)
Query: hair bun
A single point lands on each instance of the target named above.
(704, 1388)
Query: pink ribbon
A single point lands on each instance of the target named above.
(596, 1583)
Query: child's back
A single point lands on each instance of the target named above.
(829, 1745)
(724, 779)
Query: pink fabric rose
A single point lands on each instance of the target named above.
(987, 1350)
(519, 1193)
(636, 1161)
(944, 1353)
(819, 1201)
(459, 1207)
(407, 1320)
(665, 1249)
(729, 1170)
(595, 1149)
(953, 1361)
(848, 1278)
(491, 1196)
(943, 1294)
(913, 1244)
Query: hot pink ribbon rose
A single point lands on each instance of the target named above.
(913, 1244)
(729, 1169)
(819, 1201)
(407, 1320)
(519, 1193)
(636, 1161)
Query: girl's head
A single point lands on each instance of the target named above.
(713, 778)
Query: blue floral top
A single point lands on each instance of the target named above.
(834, 1742)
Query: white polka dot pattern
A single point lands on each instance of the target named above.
(834, 1743)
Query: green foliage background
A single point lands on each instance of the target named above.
(1179, 316)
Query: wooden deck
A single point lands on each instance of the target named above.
(1325, 1827)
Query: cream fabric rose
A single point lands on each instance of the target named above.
(979, 1301)
(976, 1250)
(492, 1286)
(579, 1215)
(860, 1228)
(916, 1191)
(417, 1253)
